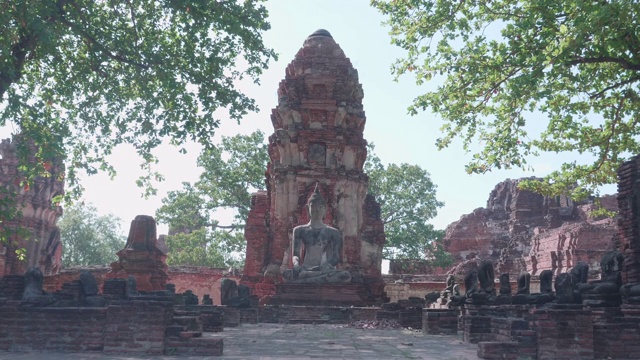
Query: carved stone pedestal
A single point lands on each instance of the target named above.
(317, 295)
(602, 300)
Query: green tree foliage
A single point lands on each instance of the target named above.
(576, 62)
(78, 77)
(88, 238)
(205, 247)
(231, 172)
(408, 201)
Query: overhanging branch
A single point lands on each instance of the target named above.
(625, 64)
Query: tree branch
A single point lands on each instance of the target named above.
(27, 42)
(103, 49)
(227, 227)
(489, 93)
(133, 21)
(614, 86)
(625, 64)
(499, 13)
(604, 155)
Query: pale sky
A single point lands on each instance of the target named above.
(399, 138)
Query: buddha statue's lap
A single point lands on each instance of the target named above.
(323, 276)
(611, 265)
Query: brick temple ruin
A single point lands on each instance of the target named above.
(318, 139)
(523, 231)
(534, 277)
(38, 215)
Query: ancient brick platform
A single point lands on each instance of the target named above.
(317, 314)
(124, 327)
(564, 333)
(318, 295)
(552, 331)
(439, 321)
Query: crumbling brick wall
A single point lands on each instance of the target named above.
(199, 279)
(136, 327)
(629, 219)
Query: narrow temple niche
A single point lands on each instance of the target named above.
(319, 91)
(317, 155)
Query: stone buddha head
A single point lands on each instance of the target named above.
(317, 205)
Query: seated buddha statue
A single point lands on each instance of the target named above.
(316, 248)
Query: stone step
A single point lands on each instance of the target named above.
(491, 350)
(174, 330)
(182, 310)
(307, 321)
(196, 346)
(190, 334)
(189, 322)
(212, 322)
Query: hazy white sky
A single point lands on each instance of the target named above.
(398, 137)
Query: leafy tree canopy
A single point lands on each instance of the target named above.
(78, 77)
(206, 247)
(576, 62)
(231, 172)
(88, 238)
(408, 201)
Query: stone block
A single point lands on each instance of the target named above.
(439, 321)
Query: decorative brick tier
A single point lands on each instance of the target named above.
(476, 328)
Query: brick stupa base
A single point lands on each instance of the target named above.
(317, 295)
(141, 257)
